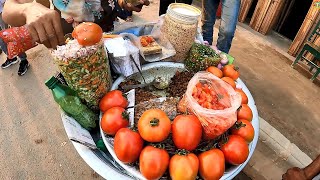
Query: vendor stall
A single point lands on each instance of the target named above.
(169, 103)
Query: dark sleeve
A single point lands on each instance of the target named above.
(108, 15)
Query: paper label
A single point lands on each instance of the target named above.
(131, 99)
(116, 46)
(76, 132)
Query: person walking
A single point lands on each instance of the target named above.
(228, 23)
(24, 64)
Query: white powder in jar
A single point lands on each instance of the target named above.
(185, 11)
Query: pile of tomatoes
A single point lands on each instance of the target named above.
(145, 144)
(146, 40)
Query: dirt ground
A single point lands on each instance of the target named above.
(286, 99)
(34, 145)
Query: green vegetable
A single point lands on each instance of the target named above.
(201, 57)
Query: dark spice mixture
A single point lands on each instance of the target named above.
(141, 93)
(179, 83)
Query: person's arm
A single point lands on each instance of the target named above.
(130, 7)
(13, 12)
(43, 23)
(313, 169)
(307, 173)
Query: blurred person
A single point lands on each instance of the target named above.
(24, 64)
(125, 15)
(47, 26)
(312, 171)
(229, 19)
(3, 25)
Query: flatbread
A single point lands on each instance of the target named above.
(152, 48)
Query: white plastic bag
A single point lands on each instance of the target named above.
(214, 122)
(121, 61)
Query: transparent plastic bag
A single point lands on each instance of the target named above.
(214, 122)
(167, 48)
(124, 64)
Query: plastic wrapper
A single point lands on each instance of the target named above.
(214, 122)
(133, 31)
(122, 63)
(85, 69)
(18, 40)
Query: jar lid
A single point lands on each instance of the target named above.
(184, 12)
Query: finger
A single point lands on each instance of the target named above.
(41, 33)
(284, 176)
(58, 28)
(51, 34)
(145, 2)
(130, 7)
(33, 33)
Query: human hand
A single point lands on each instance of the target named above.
(294, 173)
(44, 25)
(130, 7)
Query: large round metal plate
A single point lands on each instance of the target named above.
(167, 70)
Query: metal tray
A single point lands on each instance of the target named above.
(167, 70)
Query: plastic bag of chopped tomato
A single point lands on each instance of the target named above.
(213, 101)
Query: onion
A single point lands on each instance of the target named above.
(206, 43)
(219, 66)
(224, 59)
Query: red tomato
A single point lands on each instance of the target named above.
(235, 150)
(211, 164)
(113, 120)
(153, 162)
(186, 132)
(127, 145)
(215, 71)
(87, 33)
(244, 97)
(230, 81)
(231, 71)
(184, 166)
(244, 112)
(154, 125)
(244, 129)
(113, 98)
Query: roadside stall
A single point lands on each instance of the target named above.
(154, 95)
